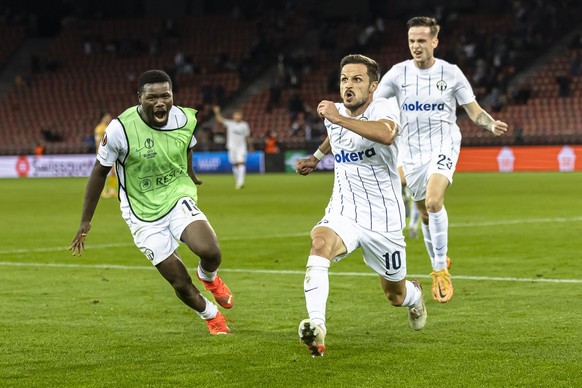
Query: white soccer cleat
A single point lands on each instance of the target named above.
(417, 314)
(313, 336)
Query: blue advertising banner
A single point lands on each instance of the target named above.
(217, 162)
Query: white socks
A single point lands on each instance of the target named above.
(316, 288)
(414, 216)
(412, 296)
(239, 172)
(438, 224)
(240, 179)
(206, 275)
(209, 312)
(428, 242)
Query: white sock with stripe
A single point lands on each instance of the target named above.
(316, 288)
(439, 231)
(428, 242)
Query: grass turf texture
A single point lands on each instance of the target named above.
(109, 319)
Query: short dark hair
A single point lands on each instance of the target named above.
(152, 77)
(372, 65)
(425, 21)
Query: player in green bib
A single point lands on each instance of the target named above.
(151, 146)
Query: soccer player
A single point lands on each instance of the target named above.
(412, 211)
(110, 189)
(238, 142)
(366, 208)
(428, 90)
(151, 146)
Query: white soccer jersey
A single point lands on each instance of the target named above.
(236, 134)
(366, 187)
(428, 101)
(114, 147)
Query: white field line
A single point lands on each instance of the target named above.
(283, 272)
(516, 221)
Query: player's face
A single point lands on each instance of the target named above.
(237, 116)
(156, 100)
(422, 44)
(355, 86)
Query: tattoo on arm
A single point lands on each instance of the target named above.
(484, 120)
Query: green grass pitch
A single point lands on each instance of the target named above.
(108, 319)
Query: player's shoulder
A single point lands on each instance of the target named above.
(382, 107)
(115, 128)
(380, 101)
(446, 65)
(401, 66)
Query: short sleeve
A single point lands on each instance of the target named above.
(386, 87)
(385, 108)
(463, 91)
(113, 145)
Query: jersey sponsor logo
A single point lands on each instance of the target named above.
(160, 180)
(419, 106)
(350, 157)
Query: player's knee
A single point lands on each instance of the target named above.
(434, 204)
(210, 254)
(320, 246)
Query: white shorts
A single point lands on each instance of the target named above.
(159, 239)
(383, 252)
(237, 155)
(417, 176)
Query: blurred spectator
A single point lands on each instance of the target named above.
(271, 143)
(495, 100)
(300, 127)
(564, 82)
(50, 134)
(575, 63)
(518, 133)
(204, 139)
(39, 149)
(274, 94)
(295, 104)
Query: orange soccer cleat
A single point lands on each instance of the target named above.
(217, 325)
(220, 291)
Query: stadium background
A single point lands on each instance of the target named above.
(63, 63)
(108, 319)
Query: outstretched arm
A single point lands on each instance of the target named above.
(381, 131)
(219, 117)
(484, 120)
(306, 166)
(92, 193)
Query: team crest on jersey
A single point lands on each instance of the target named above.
(148, 253)
(441, 85)
(104, 140)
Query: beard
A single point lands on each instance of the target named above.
(354, 105)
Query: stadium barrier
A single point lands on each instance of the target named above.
(217, 162)
(52, 166)
(503, 159)
(522, 158)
